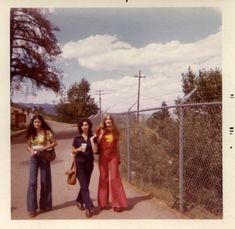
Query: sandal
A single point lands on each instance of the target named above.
(80, 206)
(88, 213)
(32, 214)
(117, 209)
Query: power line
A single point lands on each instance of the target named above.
(160, 96)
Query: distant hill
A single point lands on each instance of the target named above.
(47, 108)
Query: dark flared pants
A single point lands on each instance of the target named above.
(84, 169)
(45, 202)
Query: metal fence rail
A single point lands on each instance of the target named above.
(175, 152)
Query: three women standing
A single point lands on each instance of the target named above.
(84, 146)
(40, 138)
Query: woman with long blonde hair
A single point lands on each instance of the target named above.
(109, 160)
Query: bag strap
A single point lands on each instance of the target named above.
(45, 138)
(73, 166)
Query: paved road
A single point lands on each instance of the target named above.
(141, 205)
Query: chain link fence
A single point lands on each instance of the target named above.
(175, 153)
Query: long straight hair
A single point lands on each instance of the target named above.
(115, 128)
(31, 130)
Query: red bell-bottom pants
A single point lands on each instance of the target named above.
(109, 173)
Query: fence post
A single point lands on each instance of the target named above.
(181, 157)
(128, 147)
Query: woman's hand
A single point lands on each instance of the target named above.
(94, 142)
(100, 135)
(76, 150)
(93, 138)
(32, 152)
(42, 149)
(102, 132)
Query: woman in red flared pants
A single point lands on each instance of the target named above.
(109, 160)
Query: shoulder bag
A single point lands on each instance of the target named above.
(48, 154)
(72, 173)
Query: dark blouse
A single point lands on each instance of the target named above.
(78, 140)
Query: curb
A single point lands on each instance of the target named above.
(18, 133)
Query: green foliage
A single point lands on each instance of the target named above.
(163, 113)
(208, 83)
(154, 159)
(66, 112)
(165, 125)
(78, 104)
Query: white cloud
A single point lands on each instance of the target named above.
(93, 46)
(120, 95)
(51, 10)
(166, 62)
(105, 52)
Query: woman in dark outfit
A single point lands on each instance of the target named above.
(84, 146)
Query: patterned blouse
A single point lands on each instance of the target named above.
(39, 139)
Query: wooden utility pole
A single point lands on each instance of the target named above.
(100, 93)
(138, 99)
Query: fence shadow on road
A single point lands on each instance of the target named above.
(64, 205)
(131, 203)
(135, 200)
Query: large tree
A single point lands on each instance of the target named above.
(208, 83)
(33, 49)
(78, 104)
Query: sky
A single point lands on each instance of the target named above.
(109, 46)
